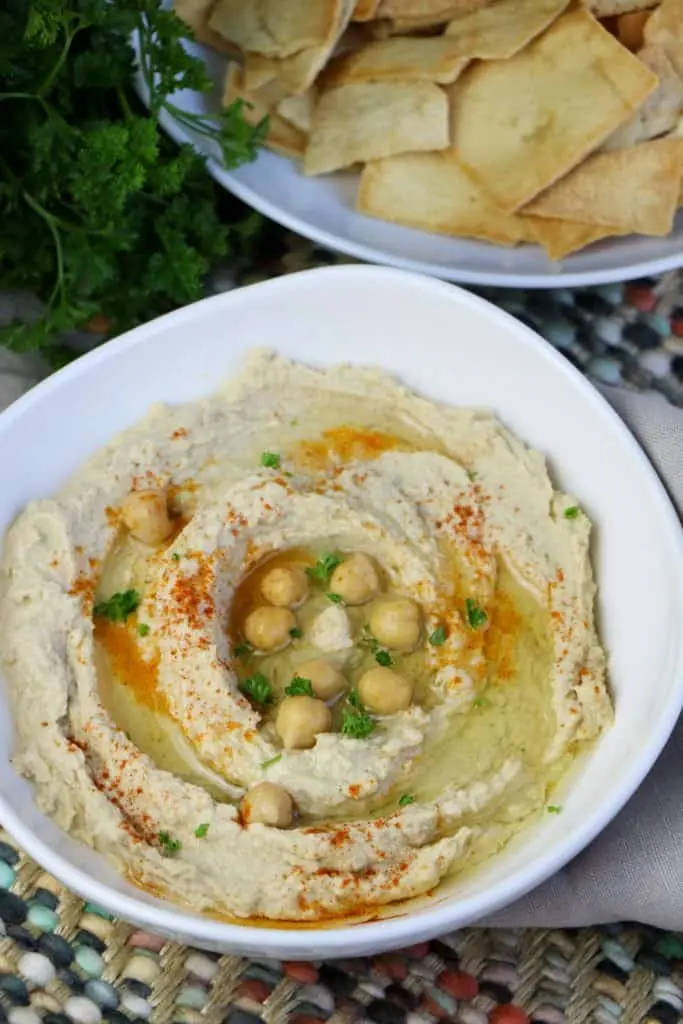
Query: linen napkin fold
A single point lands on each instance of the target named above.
(633, 871)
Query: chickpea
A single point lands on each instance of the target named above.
(384, 691)
(396, 623)
(356, 579)
(145, 516)
(285, 586)
(326, 680)
(268, 629)
(268, 804)
(300, 719)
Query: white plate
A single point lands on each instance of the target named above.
(453, 347)
(323, 209)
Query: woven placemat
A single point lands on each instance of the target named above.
(63, 961)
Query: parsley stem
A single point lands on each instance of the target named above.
(59, 63)
(59, 256)
(125, 105)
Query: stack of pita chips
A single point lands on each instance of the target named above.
(557, 122)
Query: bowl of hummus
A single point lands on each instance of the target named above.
(327, 617)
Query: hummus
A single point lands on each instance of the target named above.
(157, 684)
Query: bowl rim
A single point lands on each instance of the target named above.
(425, 922)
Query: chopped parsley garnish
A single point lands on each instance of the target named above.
(176, 556)
(406, 799)
(239, 650)
(334, 598)
(383, 658)
(272, 760)
(168, 844)
(201, 830)
(554, 809)
(143, 629)
(324, 567)
(119, 606)
(296, 633)
(356, 722)
(299, 687)
(438, 637)
(471, 475)
(476, 616)
(572, 512)
(258, 688)
(271, 460)
(481, 702)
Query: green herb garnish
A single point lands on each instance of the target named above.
(105, 219)
(481, 702)
(334, 598)
(143, 629)
(296, 633)
(438, 637)
(406, 799)
(258, 688)
(119, 606)
(356, 722)
(554, 809)
(272, 760)
(239, 650)
(472, 475)
(176, 556)
(168, 844)
(270, 459)
(324, 567)
(383, 658)
(476, 616)
(299, 687)
(572, 512)
(201, 830)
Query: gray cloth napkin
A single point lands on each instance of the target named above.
(634, 870)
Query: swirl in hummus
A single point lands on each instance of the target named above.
(302, 648)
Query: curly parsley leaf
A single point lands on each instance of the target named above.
(119, 606)
(572, 512)
(334, 598)
(296, 633)
(168, 844)
(270, 459)
(239, 650)
(476, 616)
(258, 688)
(143, 629)
(201, 830)
(554, 809)
(383, 658)
(438, 636)
(356, 722)
(406, 800)
(299, 687)
(324, 567)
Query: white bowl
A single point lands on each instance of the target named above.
(453, 347)
(323, 209)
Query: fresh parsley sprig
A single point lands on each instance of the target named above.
(356, 721)
(119, 606)
(105, 220)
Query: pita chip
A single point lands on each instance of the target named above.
(298, 110)
(608, 8)
(426, 10)
(630, 30)
(433, 192)
(405, 59)
(297, 73)
(501, 31)
(365, 10)
(282, 136)
(559, 238)
(665, 28)
(195, 14)
(274, 28)
(521, 124)
(660, 112)
(634, 190)
(357, 123)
